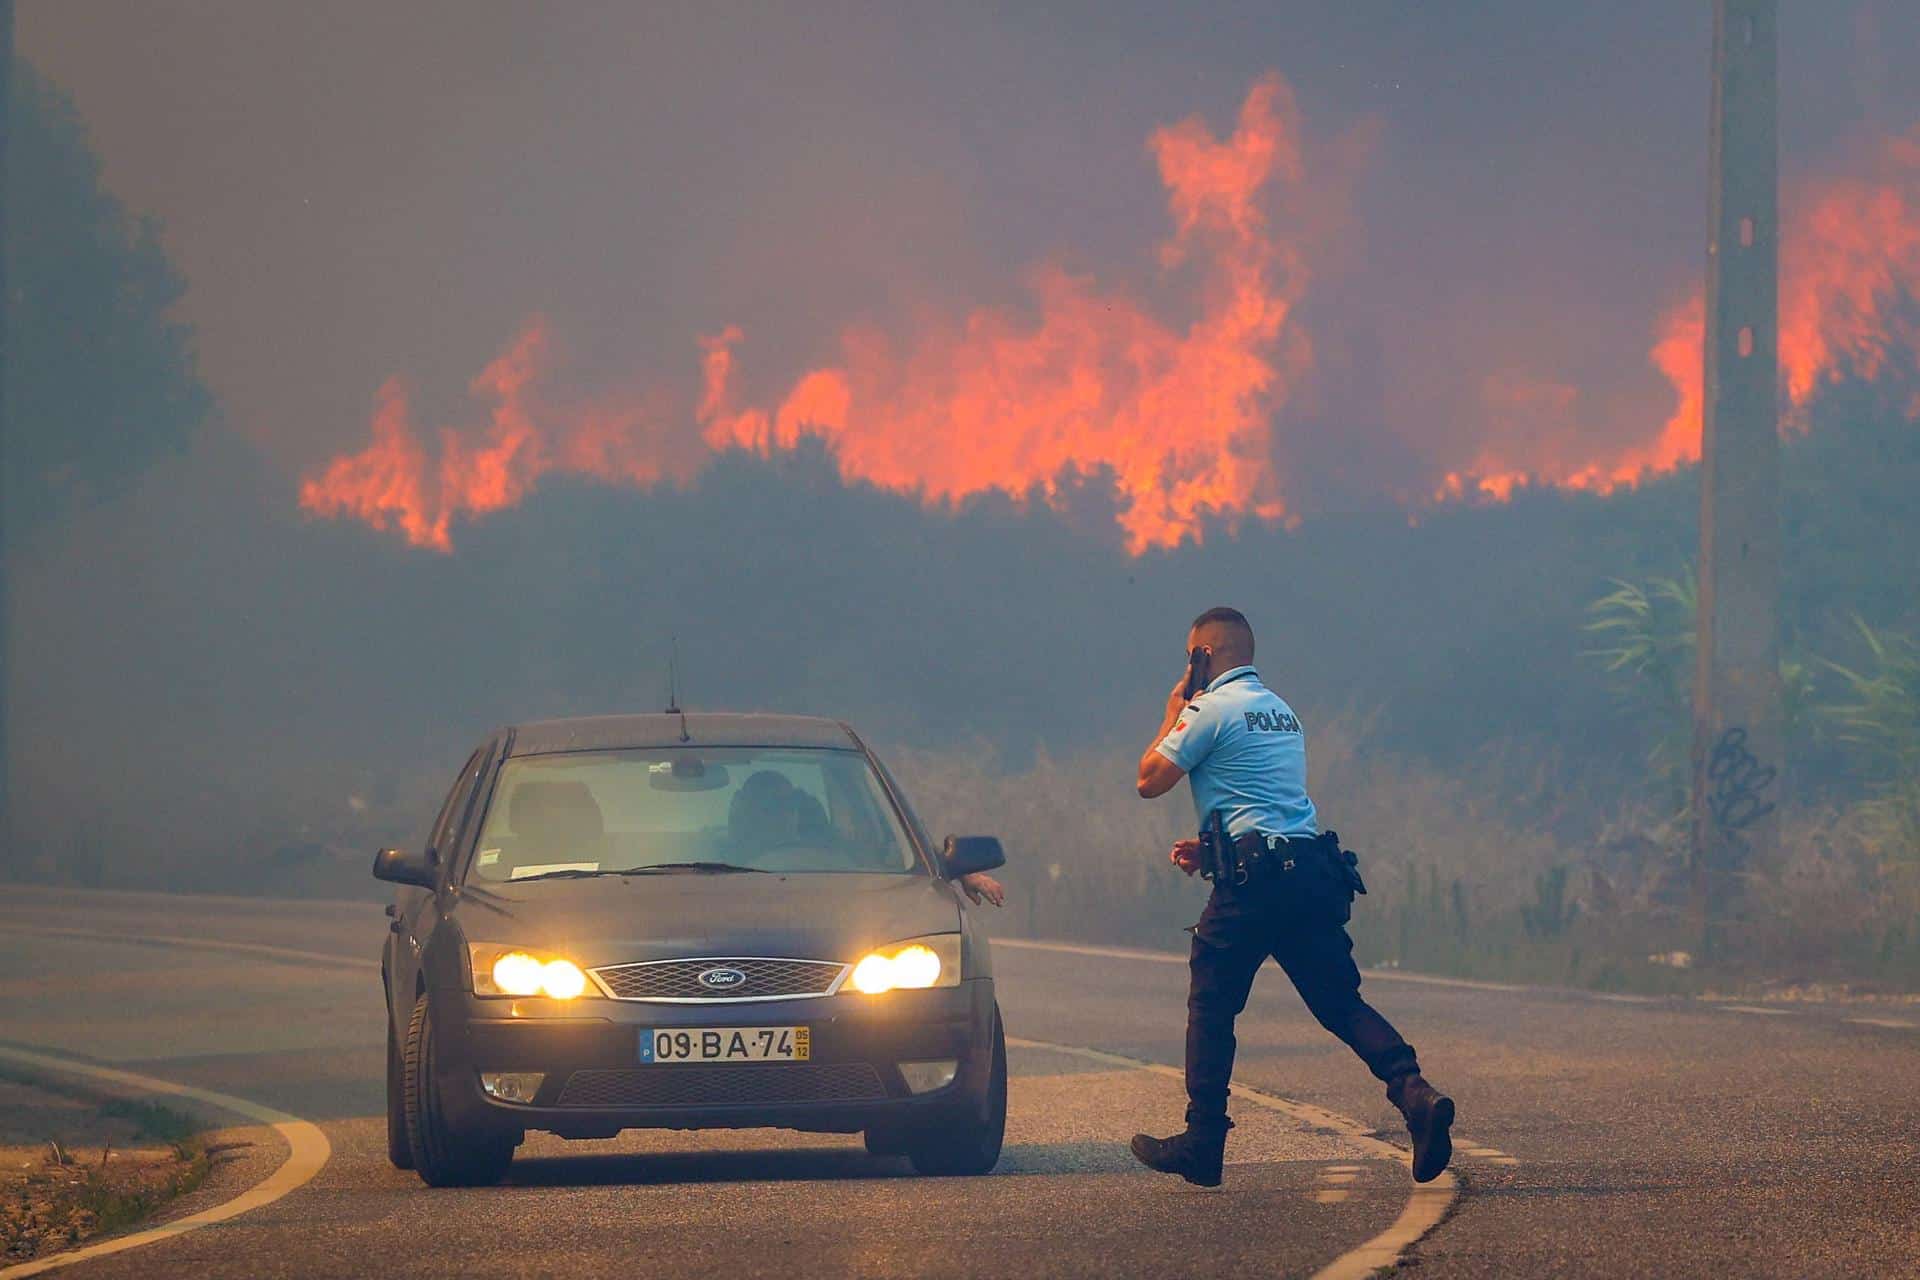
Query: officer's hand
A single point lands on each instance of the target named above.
(1177, 698)
(979, 884)
(1186, 855)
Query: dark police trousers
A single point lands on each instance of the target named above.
(1243, 925)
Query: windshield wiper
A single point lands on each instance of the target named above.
(658, 868)
(715, 867)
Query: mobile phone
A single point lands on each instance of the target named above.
(1196, 672)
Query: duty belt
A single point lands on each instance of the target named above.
(1325, 869)
(1258, 846)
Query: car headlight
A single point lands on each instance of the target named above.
(519, 971)
(932, 961)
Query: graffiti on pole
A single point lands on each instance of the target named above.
(1737, 787)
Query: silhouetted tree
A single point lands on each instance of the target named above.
(101, 379)
(100, 376)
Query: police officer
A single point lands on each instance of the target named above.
(1281, 889)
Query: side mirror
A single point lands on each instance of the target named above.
(401, 867)
(964, 855)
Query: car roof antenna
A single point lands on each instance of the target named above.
(673, 692)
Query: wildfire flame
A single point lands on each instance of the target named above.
(393, 484)
(1851, 274)
(1849, 308)
(1178, 415)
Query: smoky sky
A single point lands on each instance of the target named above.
(355, 191)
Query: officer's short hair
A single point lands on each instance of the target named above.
(1227, 617)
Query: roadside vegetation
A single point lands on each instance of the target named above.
(1466, 869)
(1497, 704)
(76, 1165)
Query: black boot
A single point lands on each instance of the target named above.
(1195, 1154)
(1429, 1116)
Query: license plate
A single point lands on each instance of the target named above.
(726, 1044)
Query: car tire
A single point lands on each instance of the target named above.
(970, 1145)
(441, 1156)
(399, 1147)
(885, 1141)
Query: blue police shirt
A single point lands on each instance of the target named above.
(1245, 755)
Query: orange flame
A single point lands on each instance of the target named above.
(1851, 274)
(392, 485)
(1178, 415)
(1849, 284)
(1849, 308)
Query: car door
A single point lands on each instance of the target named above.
(416, 911)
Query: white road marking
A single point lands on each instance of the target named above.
(308, 1151)
(1078, 949)
(1175, 957)
(1426, 1204)
(1426, 979)
(1492, 1155)
(198, 944)
(1336, 1176)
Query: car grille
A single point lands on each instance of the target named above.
(723, 1086)
(762, 979)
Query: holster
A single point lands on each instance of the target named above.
(1219, 859)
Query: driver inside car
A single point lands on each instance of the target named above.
(769, 812)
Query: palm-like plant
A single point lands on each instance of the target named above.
(1650, 638)
(1880, 718)
(1646, 638)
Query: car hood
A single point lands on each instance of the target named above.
(615, 919)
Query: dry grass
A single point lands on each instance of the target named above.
(1473, 873)
(75, 1165)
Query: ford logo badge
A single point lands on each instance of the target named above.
(721, 979)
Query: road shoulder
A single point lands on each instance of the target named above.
(248, 1166)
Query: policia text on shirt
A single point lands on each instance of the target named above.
(1281, 887)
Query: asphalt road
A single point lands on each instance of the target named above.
(1599, 1136)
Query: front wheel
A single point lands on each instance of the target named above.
(971, 1145)
(399, 1149)
(441, 1156)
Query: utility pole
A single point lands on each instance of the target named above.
(1738, 737)
(8, 854)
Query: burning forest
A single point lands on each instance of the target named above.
(1183, 408)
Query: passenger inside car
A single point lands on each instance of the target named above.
(552, 824)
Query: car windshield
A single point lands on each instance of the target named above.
(689, 811)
